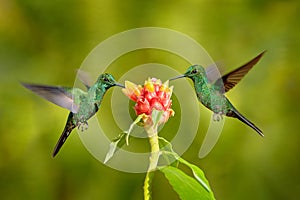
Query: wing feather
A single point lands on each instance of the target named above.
(213, 72)
(85, 78)
(231, 79)
(57, 95)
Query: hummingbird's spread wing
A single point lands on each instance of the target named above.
(231, 79)
(85, 78)
(60, 96)
(213, 72)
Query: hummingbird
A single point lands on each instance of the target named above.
(211, 91)
(81, 104)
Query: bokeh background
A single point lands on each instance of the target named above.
(46, 41)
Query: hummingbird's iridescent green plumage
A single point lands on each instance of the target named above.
(83, 105)
(211, 92)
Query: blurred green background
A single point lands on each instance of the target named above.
(46, 41)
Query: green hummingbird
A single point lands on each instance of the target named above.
(82, 104)
(210, 90)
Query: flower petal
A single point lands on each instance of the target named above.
(153, 95)
(142, 106)
(131, 90)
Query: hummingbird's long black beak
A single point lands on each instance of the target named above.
(177, 77)
(120, 85)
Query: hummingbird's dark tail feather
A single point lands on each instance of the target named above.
(68, 129)
(243, 119)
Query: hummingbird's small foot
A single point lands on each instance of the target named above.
(217, 117)
(83, 126)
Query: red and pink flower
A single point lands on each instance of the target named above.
(153, 95)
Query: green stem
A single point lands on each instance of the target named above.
(147, 185)
(153, 160)
(154, 152)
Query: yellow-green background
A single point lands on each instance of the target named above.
(45, 41)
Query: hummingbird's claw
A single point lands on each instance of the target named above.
(217, 117)
(83, 126)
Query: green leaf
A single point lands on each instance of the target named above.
(119, 142)
(186, 187)
(168, 158)
(136, 121)
(156, 116)
(198, 174)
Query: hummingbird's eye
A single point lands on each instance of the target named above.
(105, 79)
(195, 71)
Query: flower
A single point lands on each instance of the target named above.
(153, 95)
